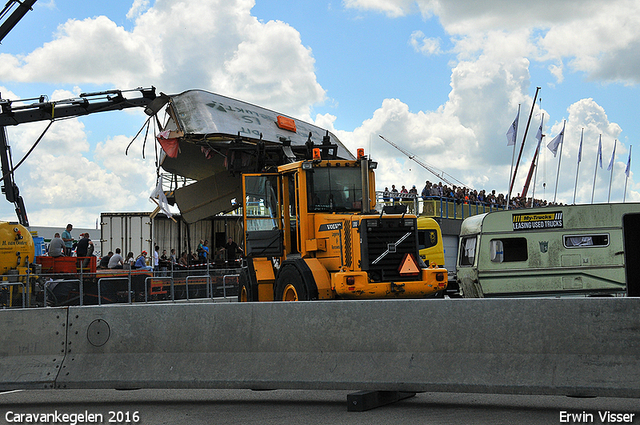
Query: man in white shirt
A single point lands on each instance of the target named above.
(156, 258)
(116, 260)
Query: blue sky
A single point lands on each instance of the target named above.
(442, 79)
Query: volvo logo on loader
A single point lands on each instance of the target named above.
(330, 226)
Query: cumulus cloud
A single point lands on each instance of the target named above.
(449, 139)
(595, 36)
(392, 8)
(224, 49)
(72, 57)
(494, 47)
(423, 44)
(60, 182)
(137, 8)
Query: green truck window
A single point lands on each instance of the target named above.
(508, 250)
(467, 251)
(580, 241)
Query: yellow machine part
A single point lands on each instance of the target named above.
(355, 285)
(16, 247)
(265, 277)
(321, 278)
(432, 252)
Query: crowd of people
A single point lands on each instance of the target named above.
(461, 195)
(65, 245)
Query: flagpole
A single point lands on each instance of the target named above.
(525, 189)
(559, 160)
(523, 139)
(513, 155)
(535, 176)
(536, 156)
(595, 172)
(611, 165)
(575, 187)
(624, 196)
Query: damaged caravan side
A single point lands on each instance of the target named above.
(551, 251)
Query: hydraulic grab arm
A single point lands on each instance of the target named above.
(87, 103)
(11, 21)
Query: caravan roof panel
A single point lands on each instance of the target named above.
(203, 114)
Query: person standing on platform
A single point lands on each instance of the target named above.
(68, 240)
(85, 246)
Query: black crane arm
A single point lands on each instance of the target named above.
(41, 110)
(23, 7)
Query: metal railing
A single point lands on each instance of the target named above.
(113, 279)
(150, 279)
(436, 206)
(129, 286)
(224, 283)
(24, 291)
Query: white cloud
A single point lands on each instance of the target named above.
(425, 45)
(224, 50)
(557, 71)
(464, 138)
(392, 8)
(59, 181)
(594, 35)
(137, 8)
(495, 41)
(170, 49)
(94, 50)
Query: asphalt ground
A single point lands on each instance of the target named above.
(306, 407)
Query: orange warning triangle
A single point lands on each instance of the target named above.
(409, 266)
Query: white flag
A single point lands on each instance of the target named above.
(613, 154)
(553, 145)
(159, 198)
(599, 157)
(512, 133)
(628, 169)
(580, 149)
(539, 135)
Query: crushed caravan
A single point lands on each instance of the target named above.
(212, 140)
(551, 251)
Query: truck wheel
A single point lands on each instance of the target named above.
(244, 292)
(290, 286)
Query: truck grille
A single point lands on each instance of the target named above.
(347, 244)
(385, 242)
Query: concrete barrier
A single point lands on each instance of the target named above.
(582, 346)
(33, 347)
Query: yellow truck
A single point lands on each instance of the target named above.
(312, 233)
(430, 242)
(17, 252)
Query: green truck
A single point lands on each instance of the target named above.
(573, 250)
